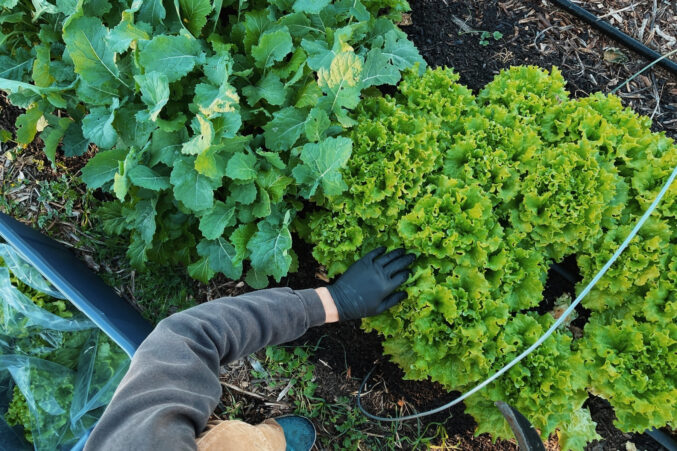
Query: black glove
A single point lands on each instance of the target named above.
(366, 288)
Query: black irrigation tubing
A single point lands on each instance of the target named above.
(617, 34)
(563, 272)
(664, 439)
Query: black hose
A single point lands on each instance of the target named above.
(615, 33)
(563, 272)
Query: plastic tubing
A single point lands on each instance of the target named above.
(662, 438)
(543, 337)
(617, 34)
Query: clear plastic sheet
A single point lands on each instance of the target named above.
(65, 368)
(25, 272)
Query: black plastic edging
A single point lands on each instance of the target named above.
(662, 438)
(617, 34)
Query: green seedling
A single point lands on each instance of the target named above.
(485, 37)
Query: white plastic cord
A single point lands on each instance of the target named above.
(543, 337)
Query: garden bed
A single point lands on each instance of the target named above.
(533, 32)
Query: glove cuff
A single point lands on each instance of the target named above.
(338, 297)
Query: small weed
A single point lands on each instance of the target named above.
(56, 200)
(485, 37)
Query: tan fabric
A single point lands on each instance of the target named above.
(235, 435)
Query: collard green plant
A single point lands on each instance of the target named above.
(488, 191)
(213, 119)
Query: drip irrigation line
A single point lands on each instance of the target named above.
(543, 337)
(648, 66)
(617, 34)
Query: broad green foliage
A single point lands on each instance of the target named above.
(488, 191)
(213, 119)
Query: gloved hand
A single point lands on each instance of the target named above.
(367, 287)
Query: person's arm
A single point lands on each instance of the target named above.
(172, 386)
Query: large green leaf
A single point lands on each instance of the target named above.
(272, 47)
(241, 167)
(319, 53)
(218, 68)
(52, 135)
(173, 56)
(204, 135)
(28, 124)
(9, 4)
(133, 127)
(87, 42)
(215, 221)
(41, 65)
(255, 23)
(274, 183)
(97, 126)
(194, 14)
(14, 67)
(122, 36)
(102, 167)
(285, 129)
(211, 162)
(152, 12)
(221, 256)
(256, 279)
(270, 247)
(74, 143)
(378, 70)
(244, 193)
(195, 190)
(154, 91)
(144, 219)
(402, 52)
(146, 177)
(321, 166)
(201, 270)
(310, 6)
(317, 123)
(269, 88)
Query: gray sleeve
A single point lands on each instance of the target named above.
(172, 386)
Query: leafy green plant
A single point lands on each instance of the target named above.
(488, 191)
(213, 120)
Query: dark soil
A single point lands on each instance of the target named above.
(536, 33)
(8, 113)
(436, 35)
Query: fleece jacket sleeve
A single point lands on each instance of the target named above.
(172, 385)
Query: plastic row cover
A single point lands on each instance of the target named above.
(61, 363)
